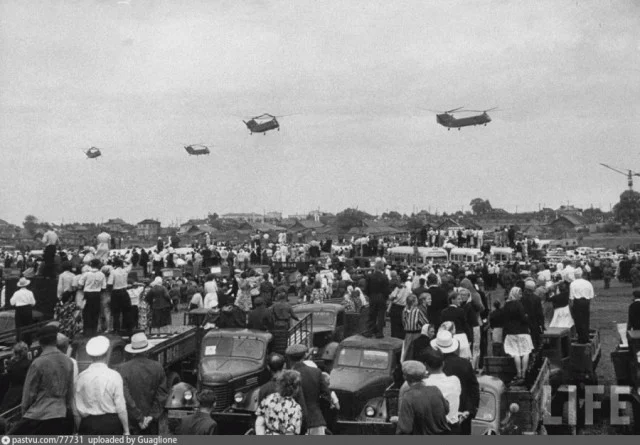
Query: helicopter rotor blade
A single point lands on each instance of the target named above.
(614, 169)
(455, 109)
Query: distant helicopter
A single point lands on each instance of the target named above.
(92, 153)
(197, 149)
(446, 119)
(263, 123)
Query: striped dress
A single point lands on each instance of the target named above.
(412, 320)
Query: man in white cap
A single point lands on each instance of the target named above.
(99, 403)
(24, 301)
(145, 387)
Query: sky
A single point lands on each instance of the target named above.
(354, 82)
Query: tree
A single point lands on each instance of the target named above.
(391, 215)
(627, 211)
(212, 218)
(480, 206)
(30, 224)
(349, 218)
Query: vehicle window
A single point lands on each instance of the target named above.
(487, 407)
(234, 347)
(375, 359)
(363, 358)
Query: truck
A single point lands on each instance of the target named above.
(233, 364)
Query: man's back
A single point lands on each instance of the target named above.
(461, 368)
(377, 284)
(145, 381)
(423, 411)
(260, 319)
(312, 386)
(48, 386)
(439, 302)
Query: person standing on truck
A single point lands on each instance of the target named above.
(313, 388)
(377, 289)
(102, 249)
(581, 293)
(99, 403)
(92, 284)
(145, 387)
(535, 314)
(50, 241)
(117, 284)
(47, 395)
(24, 301)
(517, 341)
(160, 302)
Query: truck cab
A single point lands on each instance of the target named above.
(329, 325)
(363, 370)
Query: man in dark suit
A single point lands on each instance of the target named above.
(260, 317)
(455, 314)
(377, 289)
(535, 314)
(200, 423)
(439, 301)
(454, 365)
(633, 322)
(313, 386)
(145, 387)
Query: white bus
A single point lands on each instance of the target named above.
(406, 256)
(465, 255)
(501, 254)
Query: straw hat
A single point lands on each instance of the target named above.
(445, 342)
(139, 343)
(23, 282)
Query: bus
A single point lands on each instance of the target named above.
(406, 256)
(501, 254)
(465, 255)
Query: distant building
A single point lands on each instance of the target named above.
(148, 228)
(567, 222)
(116, 225)
(242, 216)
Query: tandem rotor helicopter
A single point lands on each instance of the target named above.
(92, 152)
(263, 123)
(446, 119)
(197, 149)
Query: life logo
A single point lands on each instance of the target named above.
(6, 440)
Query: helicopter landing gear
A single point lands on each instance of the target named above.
(448, 129)
(458, 129)
(264, 134)
(485, 125)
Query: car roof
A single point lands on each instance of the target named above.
(318, 307)
(232, 332)
(359, 341)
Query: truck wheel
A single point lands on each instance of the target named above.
(173, 379)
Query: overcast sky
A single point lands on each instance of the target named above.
(140, 78)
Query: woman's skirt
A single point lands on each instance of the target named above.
(161, 317)
(562, 318)
(70, 317)
(407, 344)
(518, 345)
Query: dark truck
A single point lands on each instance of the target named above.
(233, 364)
(364, 369)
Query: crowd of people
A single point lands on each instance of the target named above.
(442, 313)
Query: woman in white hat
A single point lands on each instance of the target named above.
(24, 301)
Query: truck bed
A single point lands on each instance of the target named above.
(171, 348)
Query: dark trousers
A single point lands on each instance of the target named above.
(53, 427)
(49, 255)
(581, 312)
(465, 427)
(107, 424)
(395, 318)
(24, 317)
(134, 317)
(377, 311)
(607, 282)
(121, 305)
(91, 313)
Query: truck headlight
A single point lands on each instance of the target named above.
(370, 411)
(238, 397)
(188, 395)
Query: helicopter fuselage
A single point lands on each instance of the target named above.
(197, 152)
(262, 127)
(447, 120)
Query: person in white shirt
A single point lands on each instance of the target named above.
(99, 404)
(24, 301)
(449, 385)
(92, 284)
(581, 293)
(120, 303)
(102, 251)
